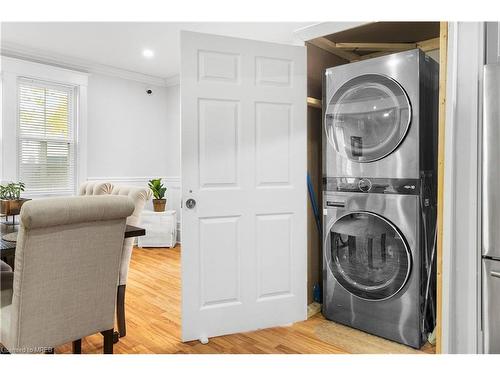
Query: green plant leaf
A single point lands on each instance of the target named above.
(157, 188)
(12, 190)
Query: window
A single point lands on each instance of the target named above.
(46, 136)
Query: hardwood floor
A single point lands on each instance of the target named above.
(153, 302)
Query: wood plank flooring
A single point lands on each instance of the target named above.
(153, 303)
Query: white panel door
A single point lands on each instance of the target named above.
(243, 111)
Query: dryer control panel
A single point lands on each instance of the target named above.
(372, 185)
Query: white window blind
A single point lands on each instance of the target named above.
(46, 135)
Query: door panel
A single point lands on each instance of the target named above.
(274, 255)
(273, 132)
(492, 43)
(490, 157)
(491, 306)
(220, 274)
(218, 142)
(243, 109)
(273, 72)
(218, 67)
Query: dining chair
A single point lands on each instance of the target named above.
(139, 196)
(66, 273)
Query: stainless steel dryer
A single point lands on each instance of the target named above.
(381, 117)
(374, 267)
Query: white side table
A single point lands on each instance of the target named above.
(161, 229)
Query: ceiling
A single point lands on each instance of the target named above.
(120, 44)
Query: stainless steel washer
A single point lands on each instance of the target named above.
(372, 265)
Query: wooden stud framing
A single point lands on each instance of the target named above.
(313, 102)
(330, 46)
(376, 46)
(443, 59)
(347, 50)
(429, 45)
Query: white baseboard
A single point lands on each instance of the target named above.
(179, 232)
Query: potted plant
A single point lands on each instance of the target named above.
(10, 198)
(158, 190)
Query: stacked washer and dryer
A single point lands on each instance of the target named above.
(379, 195)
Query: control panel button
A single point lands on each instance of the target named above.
(364, 185)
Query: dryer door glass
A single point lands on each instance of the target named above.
(368, 256)
(368, 117)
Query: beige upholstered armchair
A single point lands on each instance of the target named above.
(66, 272)
(139, 196)
(95, 188)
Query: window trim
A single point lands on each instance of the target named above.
(12, 70)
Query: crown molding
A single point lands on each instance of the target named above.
(30, 69)
(63, 61)
(173, 80)
(324, 28)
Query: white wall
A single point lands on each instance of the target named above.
(130, 133)
(173, 104)
(133, 136)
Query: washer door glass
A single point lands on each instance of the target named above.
(368, 117)
(368, 256)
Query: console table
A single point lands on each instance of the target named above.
(161, 228)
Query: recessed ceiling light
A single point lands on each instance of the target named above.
(148, 53)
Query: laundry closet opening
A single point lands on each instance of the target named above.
(364, 199)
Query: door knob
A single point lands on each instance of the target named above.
(190, 203)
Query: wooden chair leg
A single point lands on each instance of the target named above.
(3, 350)
(77, 346)
(120, 310)
(116, 336)
(108, 341)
